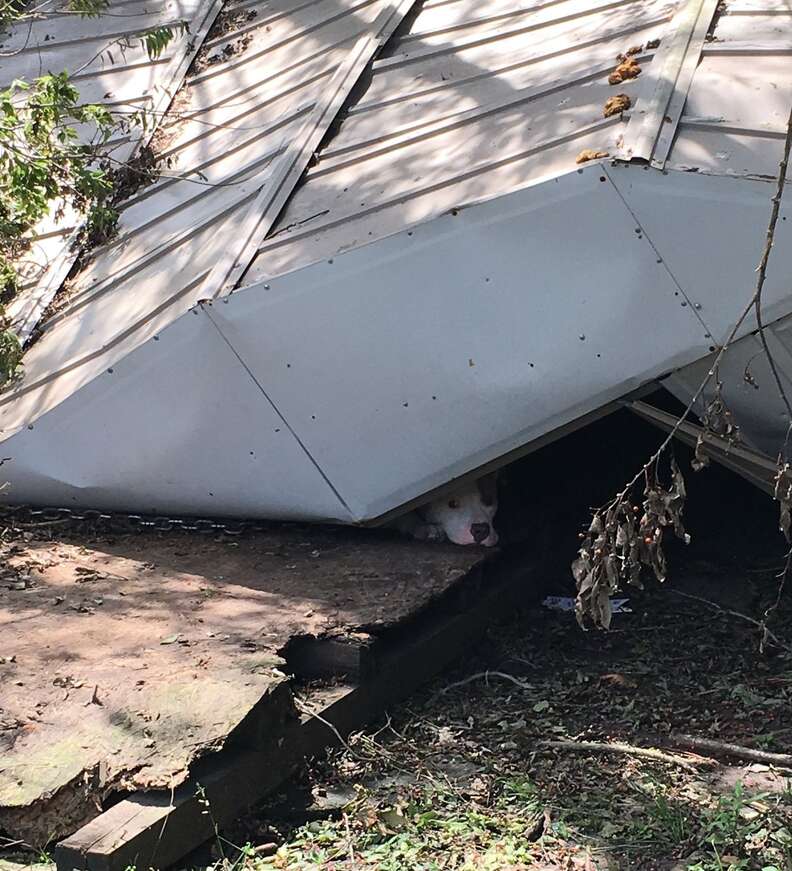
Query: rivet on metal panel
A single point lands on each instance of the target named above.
(277, 429)
(697, 305)
(266, 287)
(409, 232)
(30, 426)
(582, 337)
(434, 397)
(330, 260)
(602, 178)
(156, 338)
(406, 404)
(659, 259)
(683, 303)
(110, 371)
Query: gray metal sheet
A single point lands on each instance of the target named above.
(453, 115)
(444, 286)
(713, 251)
(220, 449)
(757, 408)
(414, 359)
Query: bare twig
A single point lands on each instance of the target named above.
(487, 675)
(758, 623)
(722, 748)
(600, 568)
(752, 303)
(627, 750)
(762, 271)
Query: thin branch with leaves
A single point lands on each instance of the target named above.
(625, 538)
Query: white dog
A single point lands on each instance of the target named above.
(463, 517)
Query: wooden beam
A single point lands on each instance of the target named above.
(155, 830)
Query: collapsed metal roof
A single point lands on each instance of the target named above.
(109, 65)
(367, 272)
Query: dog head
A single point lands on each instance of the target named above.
(466, 515)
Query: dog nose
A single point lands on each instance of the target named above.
(479, 531)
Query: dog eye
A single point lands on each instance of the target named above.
(453, 503)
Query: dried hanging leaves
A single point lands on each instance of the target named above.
(783, 495)
(622, 540)
(717, 420)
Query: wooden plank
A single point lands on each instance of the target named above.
(272, 197)
(753, 466)
(156, 829)
(178, 637)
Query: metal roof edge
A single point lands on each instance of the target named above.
(653, 123)
(29, 308)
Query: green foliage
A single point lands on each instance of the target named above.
(157, 40)
(45, 163)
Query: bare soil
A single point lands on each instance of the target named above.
(124, 658)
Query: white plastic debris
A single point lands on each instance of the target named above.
(567, 603)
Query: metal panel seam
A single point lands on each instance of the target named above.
(668, 82)
(205, 308)
(176, 70)
(264, 210)
(689, 303)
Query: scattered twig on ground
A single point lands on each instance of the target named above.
(627, 750)
(487, 675)
(723, 748)
(758, 623)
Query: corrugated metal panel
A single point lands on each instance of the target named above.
(109, 65)
(477, 100)
(757, 407)
(230, 128)
(664, 90)
(444, 287)
(738, 103)
(397, 367)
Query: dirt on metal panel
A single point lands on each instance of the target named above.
(125, 659)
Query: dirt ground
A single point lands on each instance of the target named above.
(124, 658)
(465, 777)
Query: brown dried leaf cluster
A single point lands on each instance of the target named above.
(783, 495)
(717, 420)
(629, 68)
(616, 104)
(590, 154)
(621, 541)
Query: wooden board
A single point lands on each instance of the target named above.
(158, 830)
(125, 659)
